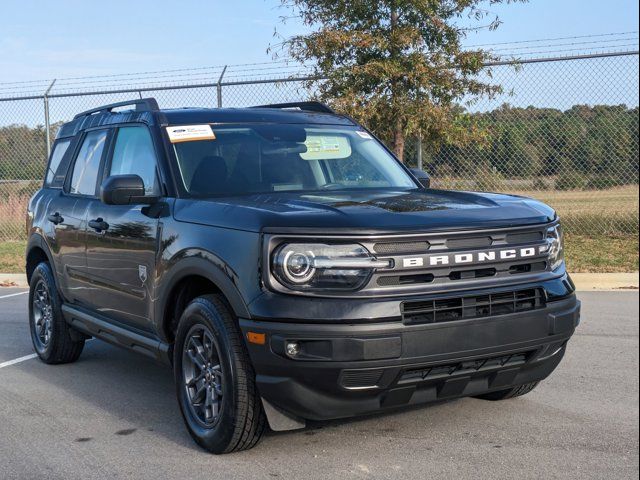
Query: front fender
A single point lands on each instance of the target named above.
(204, 264)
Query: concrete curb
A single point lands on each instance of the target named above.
(13, 280)
(585, 282)
(590, 282)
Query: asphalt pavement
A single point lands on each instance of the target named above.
(113, 414)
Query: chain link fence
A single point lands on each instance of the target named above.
(564, 130)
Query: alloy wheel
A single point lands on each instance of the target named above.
(202, 375)
(42, 315)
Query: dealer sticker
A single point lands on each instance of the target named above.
(190, 133)
(364, 135)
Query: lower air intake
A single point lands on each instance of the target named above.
(357, 379)
(476, 306)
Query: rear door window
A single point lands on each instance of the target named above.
(87, 165)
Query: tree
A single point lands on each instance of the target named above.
(397, 65)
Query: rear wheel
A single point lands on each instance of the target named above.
(214, 379)
(53, 339)
(510, 392)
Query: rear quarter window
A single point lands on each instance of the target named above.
(58, 164)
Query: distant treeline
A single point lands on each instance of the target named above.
(583, 147)
(23, 152)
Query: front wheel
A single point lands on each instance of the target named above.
(215, 382)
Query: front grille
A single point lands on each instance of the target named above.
(439, 372)
(430, 262)
(476, 306)
(400, 248)
(528, 267)
(525, 237)
(467, 274)
(469, 242)
(394, 280)
(456, 243)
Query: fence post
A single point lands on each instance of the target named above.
(47, 123)
(219, 87)
(420, 151)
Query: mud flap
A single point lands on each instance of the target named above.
(280, 420)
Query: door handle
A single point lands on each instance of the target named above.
(55, 218)
(99, 225)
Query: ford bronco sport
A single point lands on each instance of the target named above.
(288, 267)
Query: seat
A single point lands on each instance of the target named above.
(245, 176)
(210, 177)
(286, 169)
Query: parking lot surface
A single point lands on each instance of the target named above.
(113, 414)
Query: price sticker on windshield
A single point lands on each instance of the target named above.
(190, 133)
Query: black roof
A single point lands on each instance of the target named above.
(252, 115)
(146, 110)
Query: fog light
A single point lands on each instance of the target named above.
(292, 348)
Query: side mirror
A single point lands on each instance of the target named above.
(124, 190)
(422, 177)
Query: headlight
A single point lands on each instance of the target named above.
(556, 246)
(320, 266)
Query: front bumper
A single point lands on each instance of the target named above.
(356, 369)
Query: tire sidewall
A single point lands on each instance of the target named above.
(43, 273)
(215, 438)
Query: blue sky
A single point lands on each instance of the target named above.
(65, 38)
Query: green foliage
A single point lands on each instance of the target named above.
(539, 183)
(397, 66)
(583, 147)
(22, 152)
(570, 181)
(603, 182)
(488, 180)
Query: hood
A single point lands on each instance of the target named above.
(381, 211)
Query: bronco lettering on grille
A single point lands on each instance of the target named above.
(469, 258)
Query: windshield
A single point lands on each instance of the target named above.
(236, 160)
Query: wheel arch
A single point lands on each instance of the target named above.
(37, 251)
(189, 278)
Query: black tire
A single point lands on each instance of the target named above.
(510, 392)
(226, 374)
(53, 339)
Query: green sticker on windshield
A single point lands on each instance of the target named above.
(326, 147)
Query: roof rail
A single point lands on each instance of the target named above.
(304, 106)
(142, 105)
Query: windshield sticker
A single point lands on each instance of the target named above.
(364, 135)
(326, 147)
(190, 133)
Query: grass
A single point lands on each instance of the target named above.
(584, 254)
(12, 257)
(12, 216)
(594, 213)
(618, 199)
(602, 254)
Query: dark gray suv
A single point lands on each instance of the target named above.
(287, 267)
